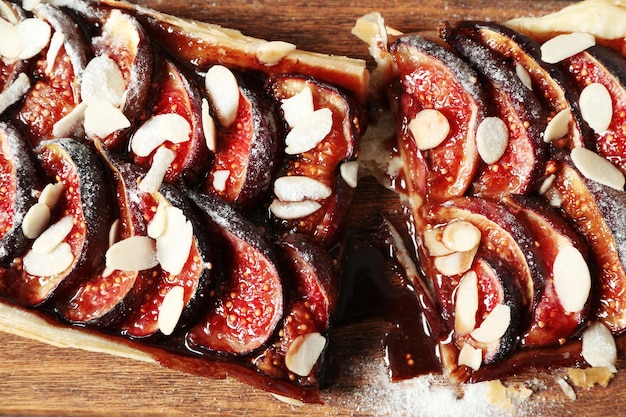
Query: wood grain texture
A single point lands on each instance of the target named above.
(41, 380)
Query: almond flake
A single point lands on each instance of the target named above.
(566, 388)
(270, 53)
(460, 236)
(492, 139)
(547, 184)
(429, 128)
(208, 127)
(288, 400)
(102, 119)
(51, 263)
(35, 35)
(304, 352)
(299, 188)
(596, 107)
(524, 76)
(171, 310)
(597, 168)
(136, 253)
(222, 88)
(163, 158)
(494, 325)
(219, 179)
(71, 125)
(114, 231)
(349, 171)
(309, 132)
(572, 279)
(157, 225)
(58, 38)
(8, 13)
(51, 194)
(30, 5)
(53, 235)
(157, 130)
(470, 356)
(298, 107)
(10, 42)
(174, 244)
(14, 92)
(466, 304)
(565, 46)
(432, 242)
(36, 220)
(103, 81)
(455, 263)
(293, 209)
(599, 348)
(558, 126)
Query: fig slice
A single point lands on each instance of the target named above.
(19, 179)
(86, 199)
(247, 150)
(174, 121)
(323, 162)
(248, 303)
(432, 78)
(551, 322)
(523, 162)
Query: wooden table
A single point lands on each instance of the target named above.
(41, 380)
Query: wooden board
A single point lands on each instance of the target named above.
(41, 380)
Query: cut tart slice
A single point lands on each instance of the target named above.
(140, 203)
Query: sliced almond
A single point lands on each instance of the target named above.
(524, 76)
(219, 179)
(53, 235)
(455, 263)
(167, 127)
(558, 126)
(596, 107)
(56, 42)
(429, 128)
(51, 194)
(10, 42)
(470, 356)
(349, 171)
(432, 242)
(174, 245)
(171, 310)
(208, 126)
(460, 236)
(103, 119)
(572, 279)
(30, 5)
(466, 304)
(51, 263)
(35, 35)
(158, 224)
(136, 253)
(292, 210)
(36, 220)
(492, 139)
(547, 184)
(163, 158)
(309, 132)
(114, 231)
(270, 53)
(566, 388)
(298, 107)
(299, 188)
(597, 168)
(288, 400)
(8, 12)
(304, 352)
(494, 325)
(103, 81)
(14, 92)
(566, 45)
(223, 91)
(71, 125)
(599, 348)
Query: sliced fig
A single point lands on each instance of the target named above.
(596, 212)
(552, 320)
(312, 286)
(247, 151)
(84, 206)
(321, 161)
(19, 179)
(551, 86)
(433, 78)
(248, 304)
(177, 95)
(57, 90)
(517, 170)
(601, 66)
